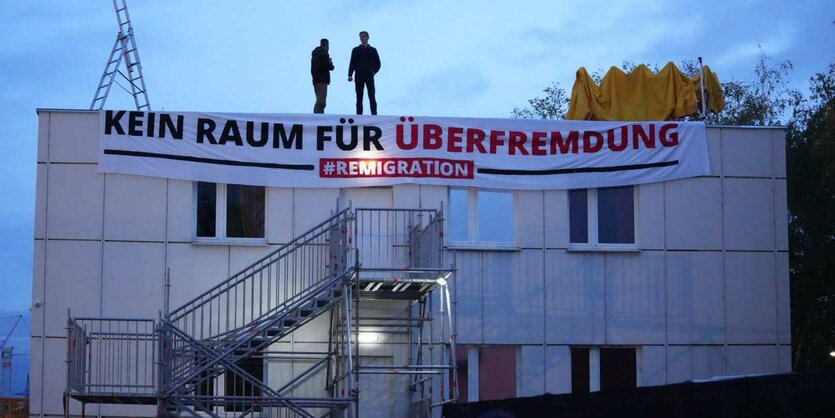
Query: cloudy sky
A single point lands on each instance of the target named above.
(442, 58)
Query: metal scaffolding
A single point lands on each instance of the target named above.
(206, 358)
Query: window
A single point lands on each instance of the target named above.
(229, 212)
(481, 217)
(602, 217)
(236, 385)
(603, 368)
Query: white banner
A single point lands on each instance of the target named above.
(304, 150)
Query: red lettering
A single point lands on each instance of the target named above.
(538, 143)
(587, 145)
(638, 133)
(475, 139)
(401, 142)
(454, 138)
(517, 141)
(668, 139)
(624, 140)
(432, 137)
(566, 145)
(495, 140)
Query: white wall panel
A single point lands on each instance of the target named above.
(531, 373)
(40, 202)
(529, 218)
(635, 298)
(785, 358)
(74, 207)
(752, 359)
(714, 147)
(750, 295)
(556, 218)
(574, 298)
(749, 214)
(747, 152)
(279, 217)
(312, 206)
(406, 196)
(36, 373)
(242, 256)
(695, 298)
(653, 364)
(779, 137)
(468, 288)
(38, 287)
(195, 269)
(367, 197)
(650, 212)
(781, 218)
(181, 216)
(694, 214)
(134, 208)
(53, 380)
(557, 369)
(73, 280)
(317, 330)
(784, 330)
(74, 137)
(432, 197)
(43, 135)
(513, 295)
(132, 269)
(694, 362)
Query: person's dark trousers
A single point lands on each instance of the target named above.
(372, 100)
(321, 91)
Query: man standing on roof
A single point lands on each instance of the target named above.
(365, 62)
(320, 67)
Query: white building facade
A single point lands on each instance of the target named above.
(554, 291)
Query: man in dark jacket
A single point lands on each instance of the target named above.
(320, 67)
(365, 62)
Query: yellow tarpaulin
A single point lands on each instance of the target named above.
(642, 95)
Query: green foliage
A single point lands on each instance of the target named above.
(766, 101)
(810, 157)
(553, 105)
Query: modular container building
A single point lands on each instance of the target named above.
(551, 291)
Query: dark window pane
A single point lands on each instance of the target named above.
(236, 385)
(496, 219)
(244, 211)
(618, 368)
(578, 214)
(616, 215)
(206, 209)
(459, 215)
(580, 370)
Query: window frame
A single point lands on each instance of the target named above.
(594, 243)
(220, 237)
(473, 241)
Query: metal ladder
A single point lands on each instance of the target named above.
(124, 49)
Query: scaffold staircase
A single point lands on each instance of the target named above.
(179, 361)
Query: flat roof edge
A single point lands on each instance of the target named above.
(58, 110)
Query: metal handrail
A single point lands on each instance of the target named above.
(232, 281)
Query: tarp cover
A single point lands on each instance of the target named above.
(642, 95)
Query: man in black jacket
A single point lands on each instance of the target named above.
(320, 67)
(365, 62)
